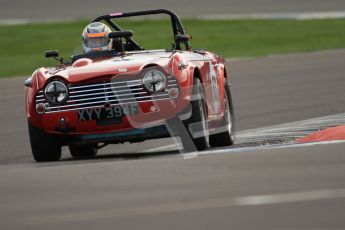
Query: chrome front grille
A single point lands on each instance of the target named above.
(93, 95)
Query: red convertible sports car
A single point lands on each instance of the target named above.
(116, 92)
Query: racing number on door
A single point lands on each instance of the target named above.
(215, 90)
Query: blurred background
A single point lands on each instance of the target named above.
(234, 28)
(65, 9)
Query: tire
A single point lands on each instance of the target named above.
(227, 137)
(83, 151)
(44, 146)
(198, 116)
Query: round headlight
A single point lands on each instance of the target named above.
(154, 81)
(56, 92)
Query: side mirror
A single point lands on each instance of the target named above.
(120, 34)
(51, 54)
(182, 38)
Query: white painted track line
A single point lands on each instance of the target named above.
(290, 197)
(158, 209)
(296, 16)
(270, 16)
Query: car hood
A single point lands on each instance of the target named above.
(85, 69)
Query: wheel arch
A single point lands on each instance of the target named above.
(226, 75)
(197, 73)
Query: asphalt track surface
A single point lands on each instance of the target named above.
(64, 9)
(288, 187)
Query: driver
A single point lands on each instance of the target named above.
(95, 37)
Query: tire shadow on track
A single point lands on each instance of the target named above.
(113, 157)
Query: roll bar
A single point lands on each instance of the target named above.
(175, 22)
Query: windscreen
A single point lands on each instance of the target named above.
(154, 32)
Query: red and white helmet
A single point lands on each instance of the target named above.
(95, 37)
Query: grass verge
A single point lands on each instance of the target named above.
(22, 46)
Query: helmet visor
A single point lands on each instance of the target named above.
(97, 42)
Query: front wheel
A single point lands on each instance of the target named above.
(196, 125)
(44, 146)
(225, 134)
